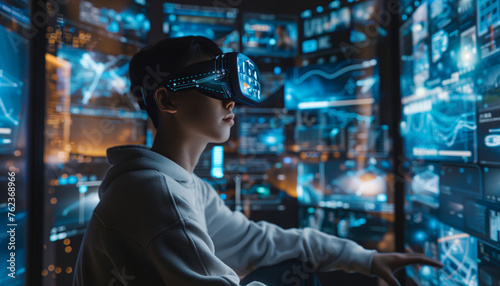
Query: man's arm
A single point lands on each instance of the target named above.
(245, 245)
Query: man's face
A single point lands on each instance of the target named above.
(203, 115)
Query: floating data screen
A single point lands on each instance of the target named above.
(345, 185)
(458, 253)
(491, 176)
(423, 187)
(489, 111)
(365, 141)
(358, 185)
(97, 79)
(15, 103)
(260, 134)
(74, 204)
(456, 184)
(354, 82)
(489, 263)
(328, 129)
(450, 113)
(341, 26)
(12, 11)
(422, 233)
(215, 23)
(317, 218)
(310, 184)
(103, 112)
(438, 85)
(269, 35)
(123, 20)
(14, 70)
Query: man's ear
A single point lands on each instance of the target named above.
(164, 100)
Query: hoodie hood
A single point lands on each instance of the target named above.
(125, 158)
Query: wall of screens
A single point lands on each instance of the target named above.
(333, 136)
(88, 109)
(345, 170)
(448, 81)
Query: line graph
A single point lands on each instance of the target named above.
(442, 127)
(330, 76)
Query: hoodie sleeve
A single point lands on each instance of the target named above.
(245, 245)
(183, 253)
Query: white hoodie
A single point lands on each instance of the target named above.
(157, 224)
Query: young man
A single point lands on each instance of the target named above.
(157, 223)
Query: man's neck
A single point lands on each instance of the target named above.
(179, 148)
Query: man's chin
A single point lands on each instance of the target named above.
(221, 139)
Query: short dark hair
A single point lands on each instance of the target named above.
(149, 67)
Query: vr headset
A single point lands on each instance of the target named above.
(230, 76)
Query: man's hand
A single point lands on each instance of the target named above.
(384, 264)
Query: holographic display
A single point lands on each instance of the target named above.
(124, 18)
(327, 129)
(14, 70)
(15, 11)
(344, 83)
(456, 184)
(358, 185)
(491, 177)
(317, 218)
(310, 191)
(367, 228)
(422, 188)
(99, 84)
(488, 21)
(75, 205)
(370, 141)
(97, 79)
(332, 29)
(15, 101)
(260, 134)
(421, 237)
(458, 253)
(215, 23)
(439, 91)
(489, 263)
(100, 98)
(345, 185)
(489, 111)
(269, 35)
(475, 218)
(359, 226)
(449, 88)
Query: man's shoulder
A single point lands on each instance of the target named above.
(137, 202)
